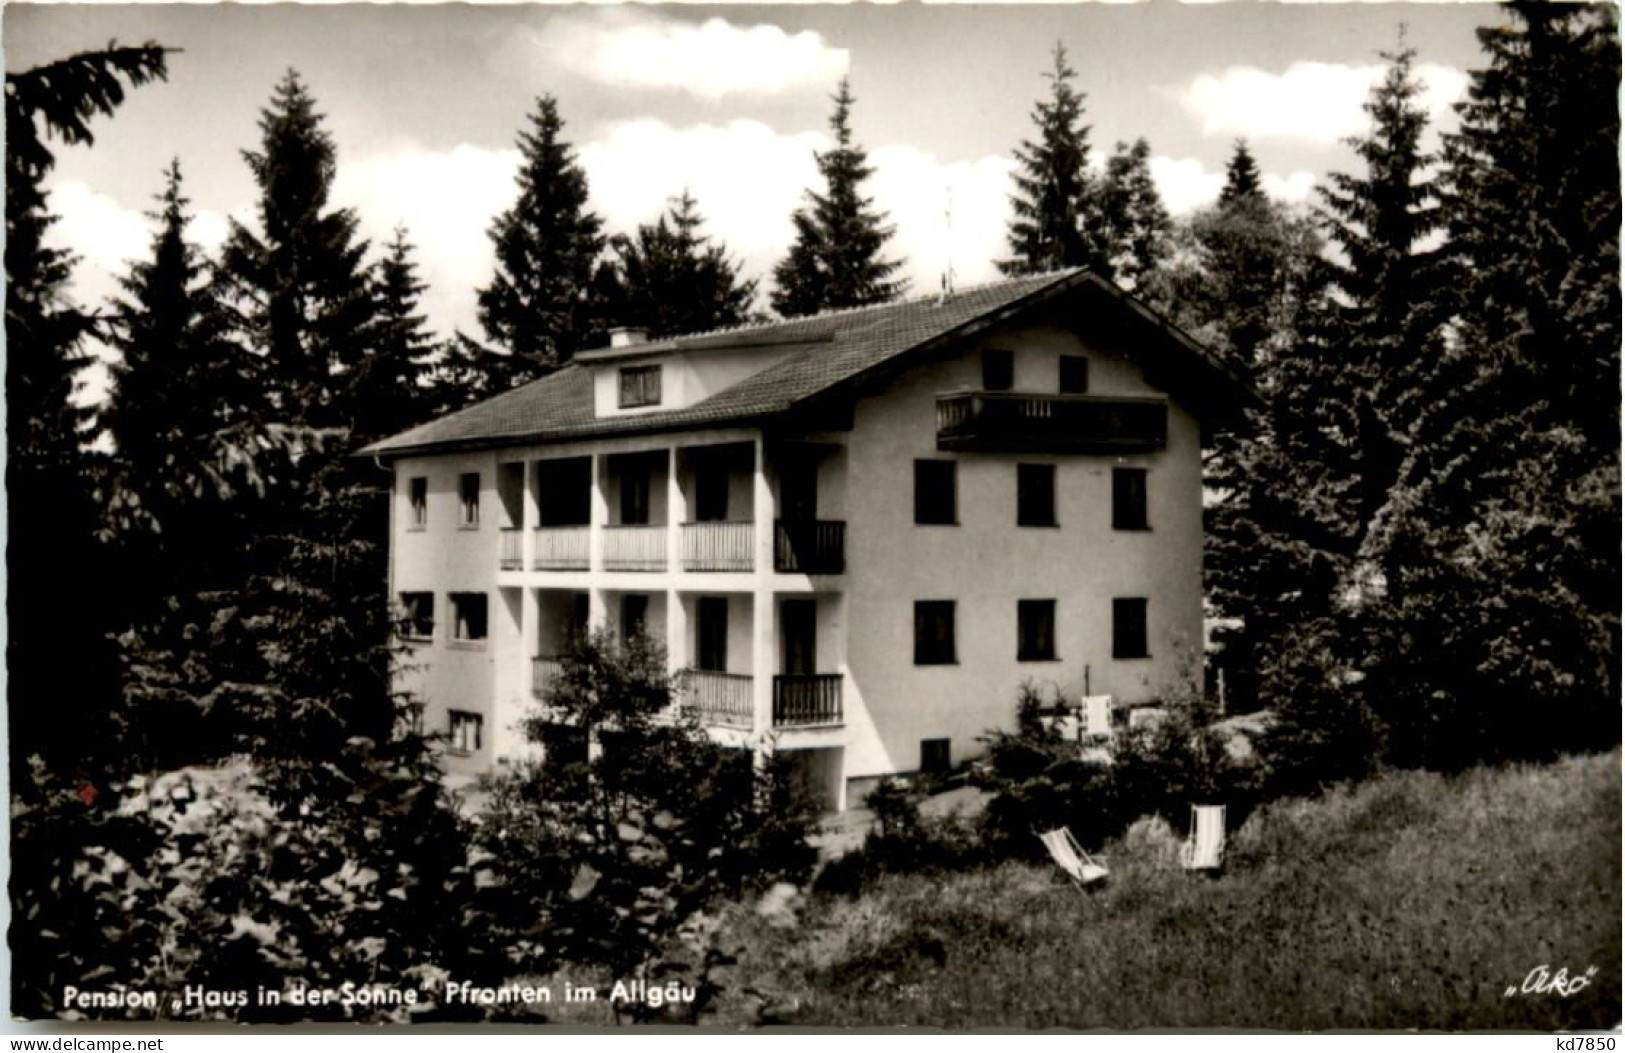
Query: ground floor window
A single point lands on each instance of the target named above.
(1128, 628)
(468, 616)
(467, 730)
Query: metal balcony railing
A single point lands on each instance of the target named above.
(1017, 422)
(812, 546)
(800, 701)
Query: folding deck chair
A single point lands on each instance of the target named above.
(1204, 848)
(1080, 866)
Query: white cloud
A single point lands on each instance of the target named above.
(446, 201)
(710, 59)
(915, 188)
(1314, 101)
(1187, 185)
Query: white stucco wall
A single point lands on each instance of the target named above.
(442, 558)
(986, 563)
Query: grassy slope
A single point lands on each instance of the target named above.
(1414, 901)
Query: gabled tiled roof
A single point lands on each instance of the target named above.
(824, 351)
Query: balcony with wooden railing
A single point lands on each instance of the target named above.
(813, 546)
(806, 701)
(719, 546)
(562, 548)
(1017, 422)
(718, 699)
(543, 670)
(634, 547)
(511, 549)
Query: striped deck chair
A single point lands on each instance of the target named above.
(1204, 848)
(1080, 866)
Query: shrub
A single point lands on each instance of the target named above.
(615, 862)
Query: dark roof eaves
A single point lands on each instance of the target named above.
(569, 433)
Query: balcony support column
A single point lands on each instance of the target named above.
(677, 647)
(599, 512)
(676, 514)
(763, 663)
(530, 516)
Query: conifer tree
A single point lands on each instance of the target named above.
(1055, 223)
(836, 259)
(538, 305)
(671, 279)
(299, 287)
(1135, 223)
(390, 386)
(53, 559)
(1243, 183)
(1495, 562)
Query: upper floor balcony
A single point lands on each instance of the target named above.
(1017, 422)
(731, 507)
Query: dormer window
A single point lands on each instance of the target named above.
(640, 386)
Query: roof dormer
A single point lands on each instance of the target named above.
(635, 375)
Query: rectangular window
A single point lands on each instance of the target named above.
(640, 386)
(417, 616)
(1074, 379)
(635, 495)
(998, 369)
(711, 493)
(634, 614)
(467, 729)
(935, 758)
(468, 616)
(1035, 495)
(1128, 629)
(1035, 630)
(468, 488)
(713, 634)
(1128, 499)
(418, 488)
(934, 632)
(935, 498)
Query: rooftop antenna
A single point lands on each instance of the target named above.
(948, 273)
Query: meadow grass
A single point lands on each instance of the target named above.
(1413, 901)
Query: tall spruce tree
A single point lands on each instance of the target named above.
(299, 287)
(53, 559)
(1495, 562)
(390, 388)
(836, 259)
(671, 279)
(1056, 222)
(1243, 183)
(1135, 224)
(539, 304)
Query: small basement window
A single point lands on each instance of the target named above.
(935, 756)
(467, 731)
(640, 386)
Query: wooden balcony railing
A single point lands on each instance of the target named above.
(511, 549)
(1015, 422)
(561, 548)
(813, 546)
(718, 698)
(543, 668)
(800, 701)
(634, 547)
(719, 546)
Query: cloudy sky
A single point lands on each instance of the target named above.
(424, 103)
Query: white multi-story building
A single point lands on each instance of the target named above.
(857, 532)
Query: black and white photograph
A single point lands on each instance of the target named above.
(1018, 517)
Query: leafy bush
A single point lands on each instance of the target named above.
(615, 861)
